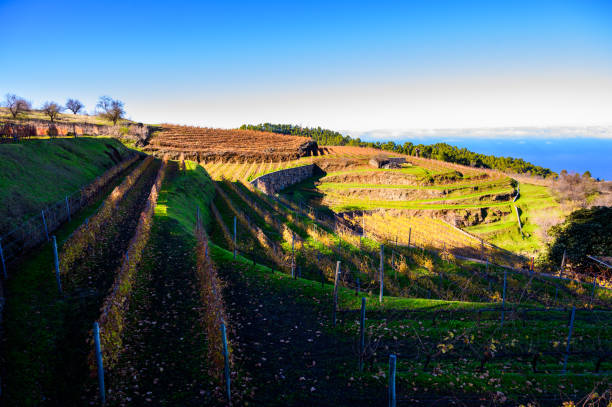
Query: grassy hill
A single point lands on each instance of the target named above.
(36, 173)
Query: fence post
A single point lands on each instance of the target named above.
(45, 224)
(569, 338)
(2, 259)
(382, 273)
(234, 238)
(292, 254)
(362, 333)
(57, 269)
(335, 299)
(392, 363)
(362, 224)
(562, 265)
(594, 288)
(409, 236)
(96, 332)
(504, 298)
(67, 208)
(226, 359)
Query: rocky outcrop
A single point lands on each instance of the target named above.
(275, 181)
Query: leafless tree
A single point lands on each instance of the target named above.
(16, 104)
(74, 105)
(52, 110)
(111, 109)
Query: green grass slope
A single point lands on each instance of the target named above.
(36, 173)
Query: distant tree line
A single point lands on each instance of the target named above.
(107, 108)
(438, 151)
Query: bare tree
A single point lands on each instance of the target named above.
(110, 109)
(74, 105)
(16, 104)
(52, 110)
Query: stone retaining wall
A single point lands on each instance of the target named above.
(136, 132)
(275, 181)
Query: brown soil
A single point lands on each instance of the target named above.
(205, 144)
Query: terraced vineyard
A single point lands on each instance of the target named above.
(482, 202)
(205, 290)
(205, 144)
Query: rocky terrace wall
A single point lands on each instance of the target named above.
(138, 133)
(275, 181)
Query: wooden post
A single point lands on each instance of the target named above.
(335, 299)
(67, 208)
(234, 238)
(356, 286)
(96, 333)
(382, 273)
(392, 363)
(362, 333)
(569, 338)
(57, 269)
(504, 298)
(292, 254)
(226, 360)
(409, 236)
(45, 224)
(362, 224)
(4, 273)
(562, 265)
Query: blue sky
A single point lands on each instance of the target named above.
(343, 65)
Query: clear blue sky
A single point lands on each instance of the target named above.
(344, 65)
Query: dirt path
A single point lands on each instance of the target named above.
(163, 363)
(283, 346)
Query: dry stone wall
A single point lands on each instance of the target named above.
(136, 132)
(275, 181)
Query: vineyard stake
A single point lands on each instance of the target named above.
(362, 224)
(57, 269)
(67, 208)
(335, 298)
(569, 337)
(562, 265)
(234, 238)
(362, 333)
(45, 224)
(226, 359)
(96, 332)
(357, 287)
(2, 259)
(392, 360)
(504, 299)
(409, 236)
(594, 287)
(292, 254)
(382, 273)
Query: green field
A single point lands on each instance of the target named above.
(36, 173)
(535, 201)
